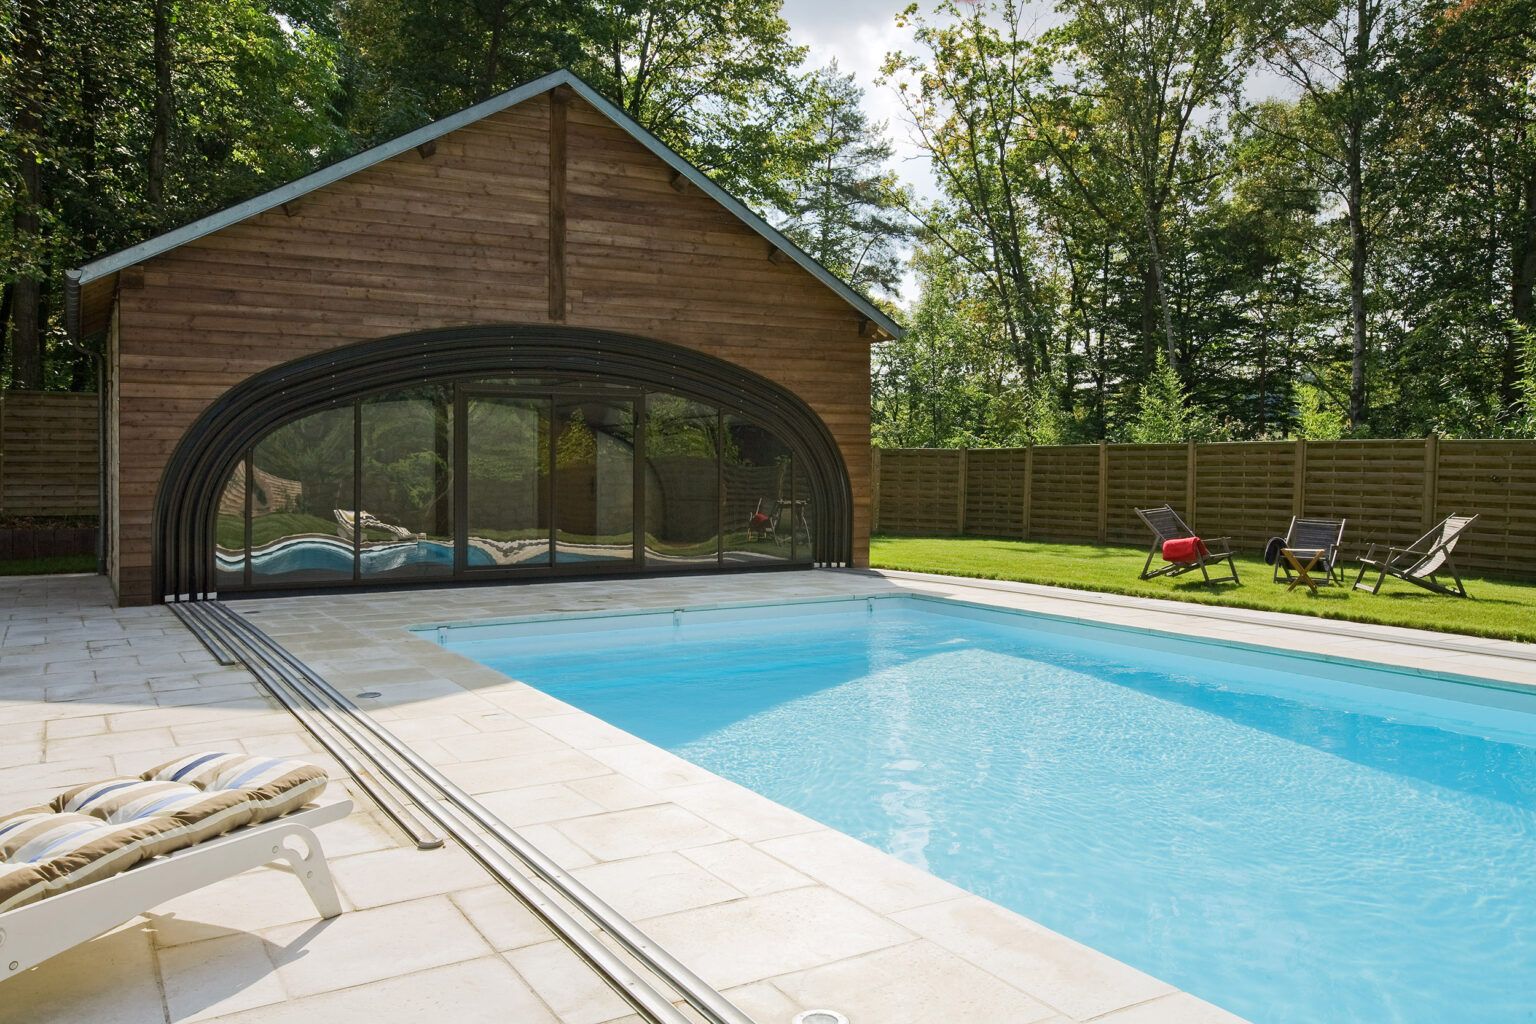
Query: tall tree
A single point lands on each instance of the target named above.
(1336, 55)
(963, 96)
(1147, 76)
(845, 207)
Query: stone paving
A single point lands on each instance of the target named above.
(777, 911)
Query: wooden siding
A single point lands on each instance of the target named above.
(462, 238)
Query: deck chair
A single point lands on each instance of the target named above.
(98, 855)
(1325, 535)
(1421, 563)
(1167, 525)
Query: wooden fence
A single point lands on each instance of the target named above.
(1390, 491)
(48, 454)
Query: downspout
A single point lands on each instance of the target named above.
(72, 332)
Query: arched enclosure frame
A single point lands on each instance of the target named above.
(186, 504)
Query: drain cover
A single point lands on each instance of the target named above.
(370, 693)
(820, 1017)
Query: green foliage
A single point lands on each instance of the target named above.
(1316, 420)
(844, 206)
(1164, 413)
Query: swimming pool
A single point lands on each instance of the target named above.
(1297, 840)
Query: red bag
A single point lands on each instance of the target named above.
(760, 521)
(1184, 550)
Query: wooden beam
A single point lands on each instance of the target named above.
(559, 99)
(427, 148)
(291, 207)
(775, 254)
(678, 182)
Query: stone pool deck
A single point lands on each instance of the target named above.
(778, 912)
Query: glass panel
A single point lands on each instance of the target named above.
(755, 473)
(508, 483)
(407, 509)
(229, 532)
(301, 501)
(682, 483)
(594, 482)
(804, 516)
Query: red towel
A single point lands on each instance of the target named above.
(1184, 550)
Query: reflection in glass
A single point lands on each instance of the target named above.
(229, 531)
(301, 501)
(802, 515)
(406, 518)
(755, 470)
(508, 481)
(594, 481)
(682, 483)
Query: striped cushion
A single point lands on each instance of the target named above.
(93, 831)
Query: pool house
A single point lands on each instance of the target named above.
(527, 340)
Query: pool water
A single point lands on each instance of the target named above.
(1298, 841)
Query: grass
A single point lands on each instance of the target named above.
(1500, 608)
(44, 566)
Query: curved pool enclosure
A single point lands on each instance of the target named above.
(499, 453)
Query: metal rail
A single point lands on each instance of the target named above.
(456, 817)
(215, 638)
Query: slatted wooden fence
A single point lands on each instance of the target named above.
(1390, 491)
(48, 454)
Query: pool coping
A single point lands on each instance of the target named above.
(940, 922)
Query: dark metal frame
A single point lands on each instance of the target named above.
(185, 506)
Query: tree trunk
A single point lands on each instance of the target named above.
(26, 292)
(1522, 296)
(493, 52)
(1155, 279)
(164, 109)
(1354, 157)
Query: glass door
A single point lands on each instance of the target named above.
(595, 481)
(507, 448)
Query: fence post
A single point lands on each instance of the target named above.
(1029, 482)
(874, 489)
(1191, 479)
(1103, 491)
(1431, 478)
(960, 493)
(1299, 479)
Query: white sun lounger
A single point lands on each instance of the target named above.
(32, 933)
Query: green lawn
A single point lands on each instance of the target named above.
(1497, 608)
(52, 564)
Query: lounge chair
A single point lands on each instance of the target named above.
(99, 855)
(1311, 544)
(1420, 563)
(1166, 525)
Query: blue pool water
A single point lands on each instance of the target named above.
(1298, 841)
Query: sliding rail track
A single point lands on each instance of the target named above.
(509, 857)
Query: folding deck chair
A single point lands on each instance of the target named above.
(1420, 563)
(1166, 525)
(1311, 544)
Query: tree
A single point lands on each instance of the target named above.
(715, 79)
(1335, 57)
(845, 207)
(1148, 76)
(962, 99)
(1164, 414)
